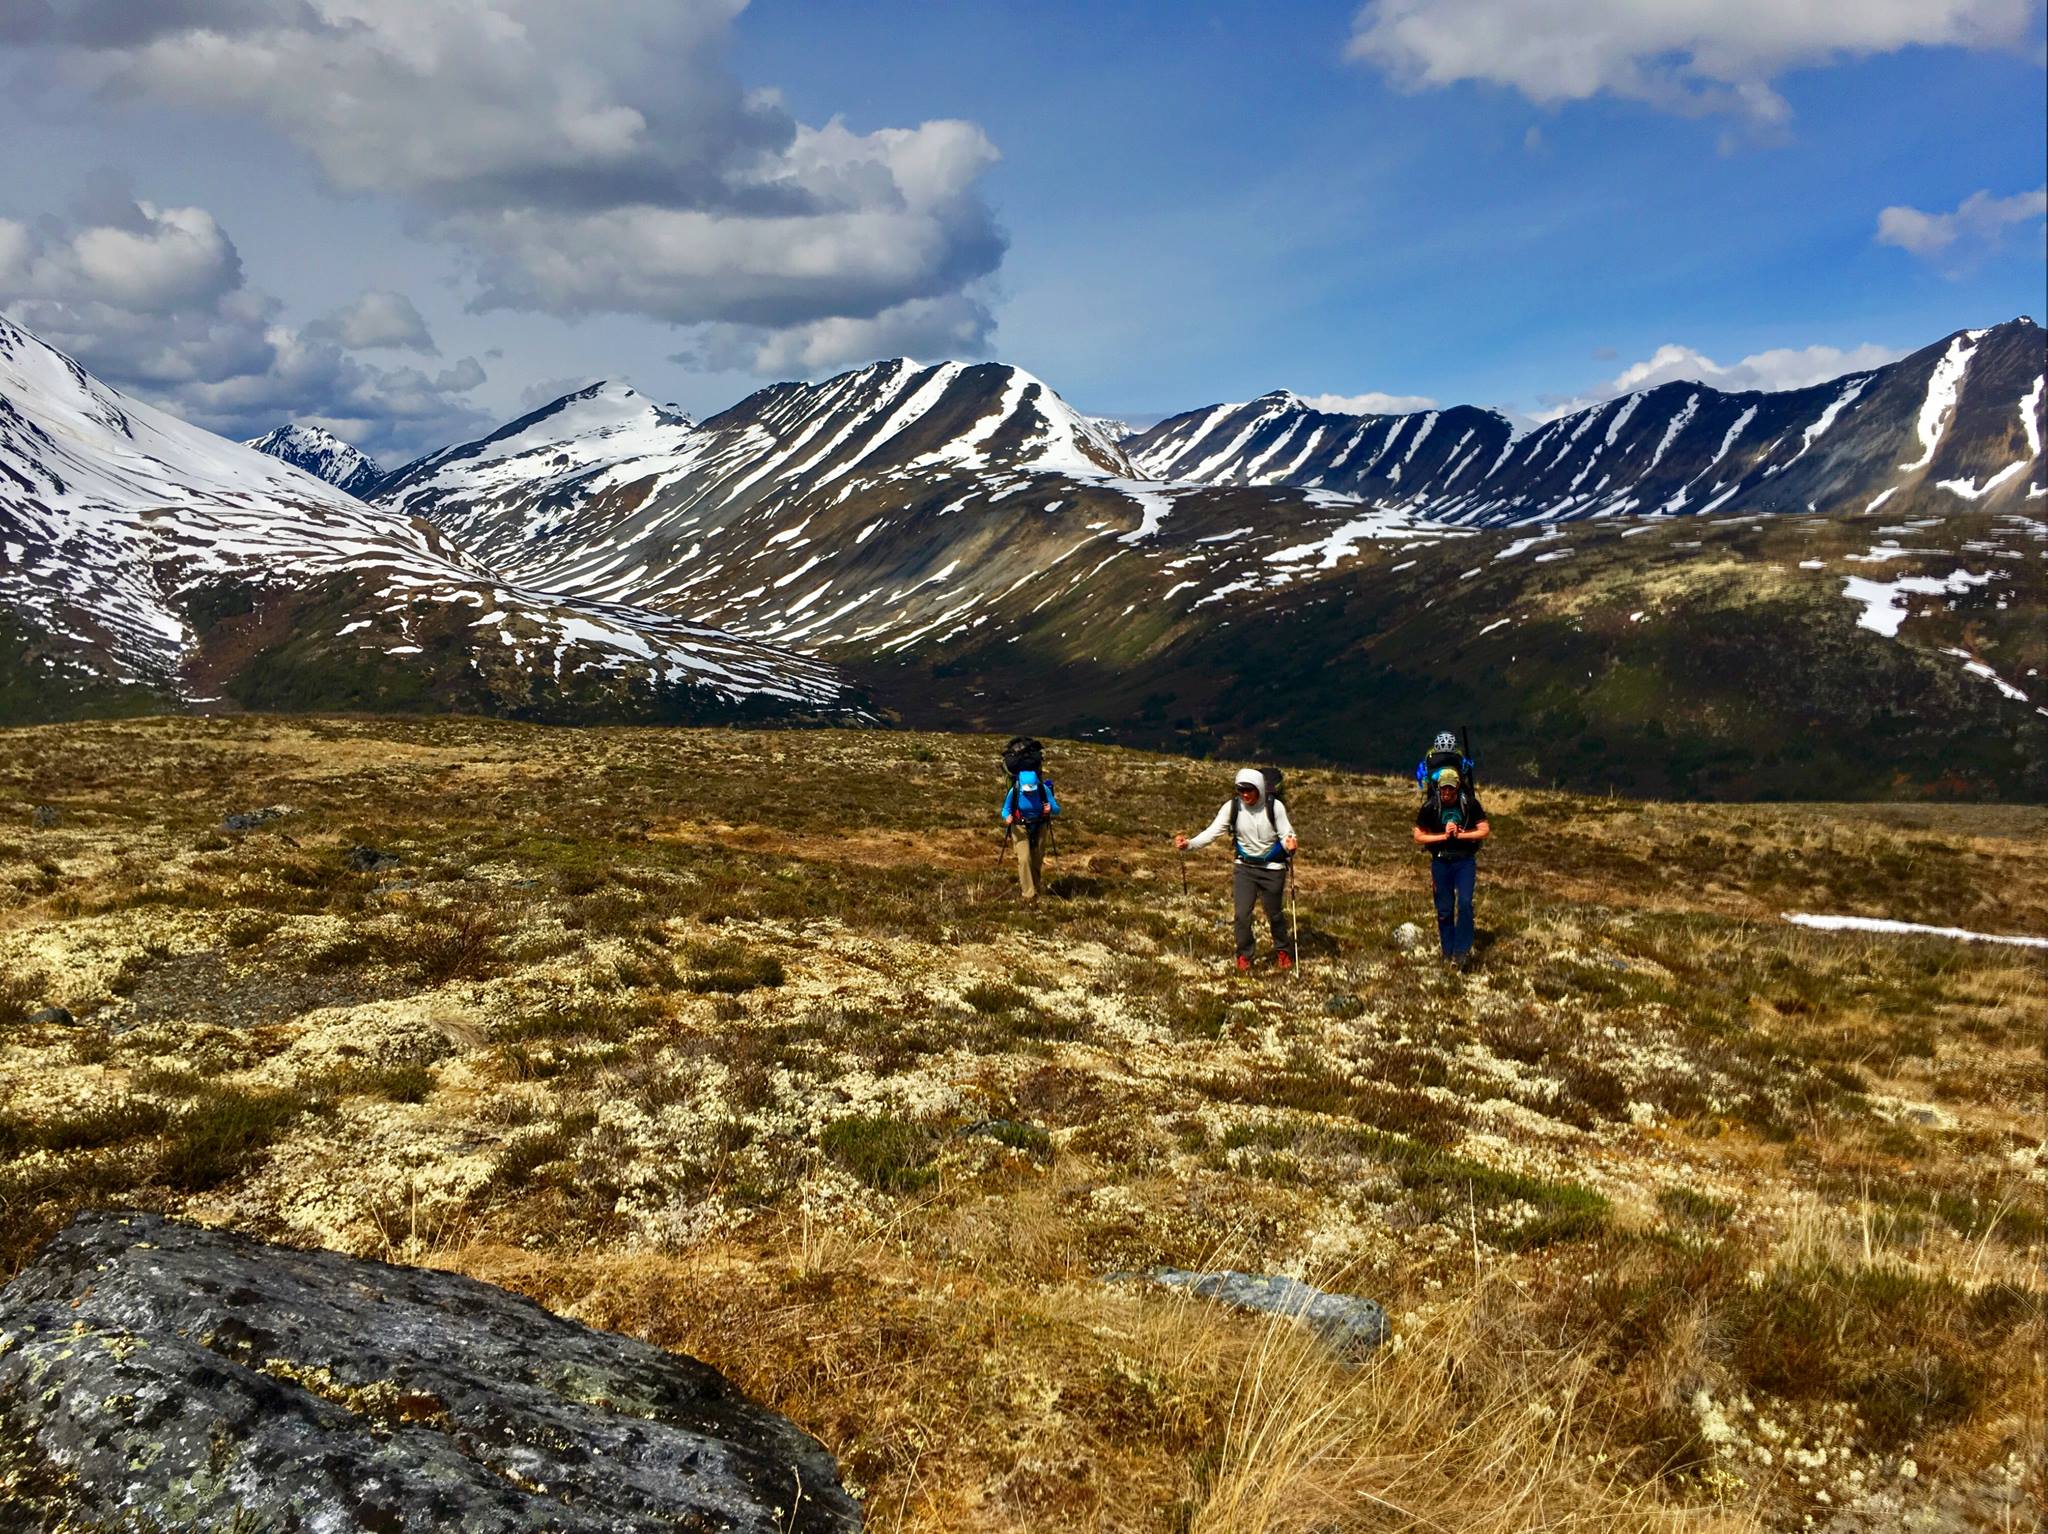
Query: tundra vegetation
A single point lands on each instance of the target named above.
(1686, 1218)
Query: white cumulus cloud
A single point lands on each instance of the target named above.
(149, 259)
(586, 158)
(1691, 56)
(153, 300)
(1781, 368)
(1974, 225)
(377, 319)
(954, 325)
(1369, 403)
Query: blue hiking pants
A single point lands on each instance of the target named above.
(1452, 880)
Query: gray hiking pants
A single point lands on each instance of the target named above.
(1030, 839)
(1268, 887)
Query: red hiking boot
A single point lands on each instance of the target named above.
(1244, 965)
(1283, 961)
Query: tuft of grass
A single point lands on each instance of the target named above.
(222, 1131)
(1906, 1348)
(1689, 1206)
(989, 998)
(402, 1082)
(21, 992)
(457, 944)
(114, 1121)
(247, 929)
(562, 1018)
(1016, 1134)
(892, 1155)
(726, 969)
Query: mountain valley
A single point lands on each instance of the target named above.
(1678, 591)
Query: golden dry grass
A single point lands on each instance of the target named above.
(1686, 1218)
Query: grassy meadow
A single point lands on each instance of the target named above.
(1686, 1218)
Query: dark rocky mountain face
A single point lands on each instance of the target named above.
(321, 454)
(269, 1387)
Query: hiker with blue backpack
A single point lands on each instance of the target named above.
(1452, 824)
(1028, 808)
(1255, 815)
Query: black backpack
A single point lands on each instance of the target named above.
(1275, 783)
(1023, 754)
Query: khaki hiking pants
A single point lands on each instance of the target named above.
(1030, 840)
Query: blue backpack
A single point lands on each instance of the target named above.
(1031, 797)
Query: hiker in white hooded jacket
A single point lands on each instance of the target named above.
(1265, 838)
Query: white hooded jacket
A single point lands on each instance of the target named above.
(1260, 828)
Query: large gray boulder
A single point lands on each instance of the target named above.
(158, 1374)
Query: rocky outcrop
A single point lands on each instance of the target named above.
(157, 1373)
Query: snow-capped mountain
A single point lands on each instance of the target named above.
(138, 552)
(547, 457)
(321, 454)
(893, 504)
(1956, 424)
(899, 504)
(979, 553)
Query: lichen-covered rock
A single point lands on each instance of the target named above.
(157, 1373)
(1348, 1324)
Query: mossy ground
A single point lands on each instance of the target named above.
(1687, 1218)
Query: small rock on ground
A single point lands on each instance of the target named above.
(249, 820)
(1348, 1324)
(58, 1015)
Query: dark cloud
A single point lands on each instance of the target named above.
(135, 23)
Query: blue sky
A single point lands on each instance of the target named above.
(1152, 206)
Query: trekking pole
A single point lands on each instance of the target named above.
(1294, 919)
